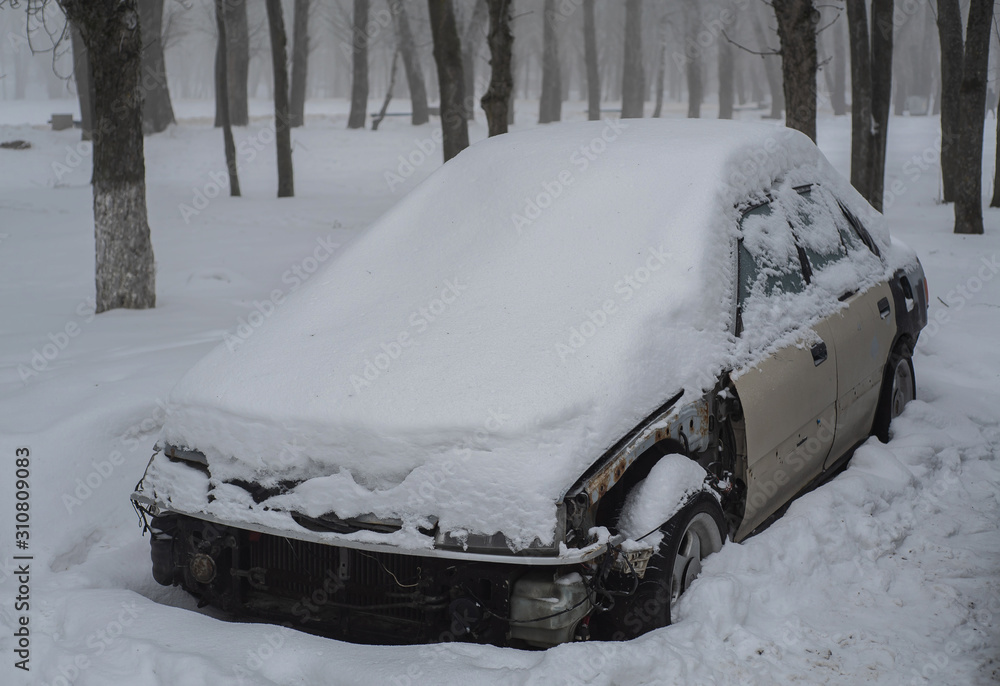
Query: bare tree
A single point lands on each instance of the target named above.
(499, 95)
(837, 100)
(692, 59)
(726, 92)
(282, 134)
(797, 32)
(300, 63)
(550, 102)
(949, 22)
(633, 76)
(157, 111)
(451, 81)
(227, 128)
(359, 78)
(237, 56)
(472, 39)
(125, 274)
(661, 67)
(84, 82)
(411, 63)
(975, 62)
(871, 91)
(590, 57)
(772, 69)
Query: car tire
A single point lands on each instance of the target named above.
(898, 388)
(693, 534)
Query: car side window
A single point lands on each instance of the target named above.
(816, 230)
(856, 230)
(769, 261)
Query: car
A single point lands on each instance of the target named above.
(526, 404)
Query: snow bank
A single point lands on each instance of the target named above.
(493, 334)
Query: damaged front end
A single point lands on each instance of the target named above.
(317, 575)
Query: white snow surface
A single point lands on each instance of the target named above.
(665, 490)
(889, 574)
(493, 334)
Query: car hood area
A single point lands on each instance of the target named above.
(469, 356)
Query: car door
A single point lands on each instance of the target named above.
(788, 398)
(864, 329)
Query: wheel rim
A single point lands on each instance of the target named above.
(902, 388)
(700, 539)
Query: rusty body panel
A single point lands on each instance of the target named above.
(689, 424)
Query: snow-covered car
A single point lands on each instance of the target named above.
(525, 405)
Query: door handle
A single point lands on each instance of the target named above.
(819, 353)
(883, 308)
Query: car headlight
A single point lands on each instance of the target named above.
(498, 544)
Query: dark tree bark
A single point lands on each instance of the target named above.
(837, 99)
(84, 82)
(499, 96)
(590, 57)
(227, 128)
(300, 63)
(972, 95)
(882, 30)
(125, 275)
(949, 21)
(157, 111)
(633, 76)
(448, 56)
(550, 102)
(359, 79)
(995, 201)
(797, 33)
(862, 138)
(282, 133)
(377, 121)
(472, 39)
(238, 62)
(725, 80)
(661, 69)
(411, 63)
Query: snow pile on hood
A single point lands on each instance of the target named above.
(492, 335)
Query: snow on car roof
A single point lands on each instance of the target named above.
(485, 341)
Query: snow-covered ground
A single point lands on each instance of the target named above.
(888, 574)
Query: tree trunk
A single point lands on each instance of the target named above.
(661, 69)
(451, 82)
(837, 99)
(471, 41)
(862, 138)
(881, 63)
(797, 33)
(125, 275)
(300, 63)
(725, 80)
(84, 82)
(227, 128)
(633, 76)
(359, 80)
(157, 112)
(590, 57)
(411, 63)
(499, 96)
(949, 23)
(282, 134)
(975, 62)
(237, 61)
(377, 121)
(995, 202)
(550, 102)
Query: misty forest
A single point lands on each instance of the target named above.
(315, 254)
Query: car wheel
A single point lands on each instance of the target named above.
(696, 532)
(898, 388)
